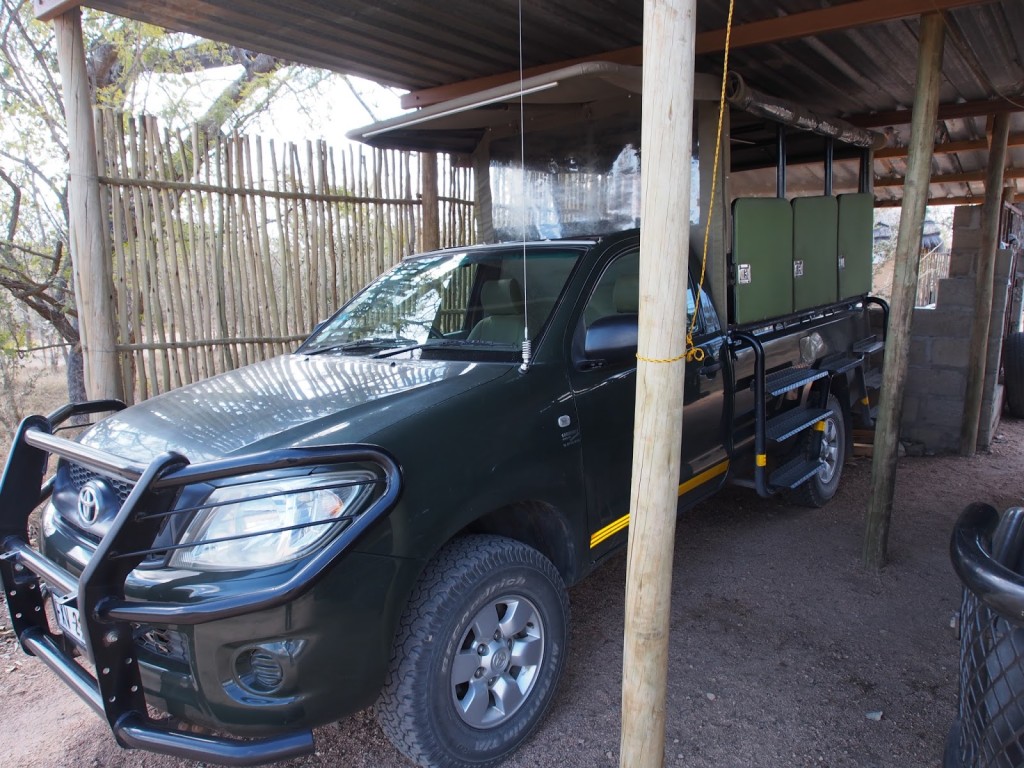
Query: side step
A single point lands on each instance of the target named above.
(788, 379)
(842, 364)
(868, 346)
(795, 472)
(791, 422)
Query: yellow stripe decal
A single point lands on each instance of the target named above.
(866, 400)
(623, 522)
(703, 477)
(761, 460)
(820, 426)
(609, 530)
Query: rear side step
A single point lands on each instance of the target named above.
(792, 422)
(868, 346)
(796, 472)
(784, 425)
(788, 379)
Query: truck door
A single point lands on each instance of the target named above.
(605, 397)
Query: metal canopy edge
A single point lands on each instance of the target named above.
(593, 85)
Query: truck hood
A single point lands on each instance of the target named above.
(288, 401)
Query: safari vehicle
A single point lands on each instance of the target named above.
(393, 512)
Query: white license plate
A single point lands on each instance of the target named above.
(69, 621)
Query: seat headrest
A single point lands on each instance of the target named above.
(626, 295)
(502, 297)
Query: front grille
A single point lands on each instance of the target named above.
(80, 476)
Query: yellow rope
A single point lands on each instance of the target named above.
(692, 353)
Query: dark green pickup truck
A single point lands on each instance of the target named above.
(392, 514)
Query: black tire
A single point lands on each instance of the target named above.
(1013, 373)
(828, 444)
(475, 585)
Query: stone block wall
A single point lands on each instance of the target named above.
(940, 336)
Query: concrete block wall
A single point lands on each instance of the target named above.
(940, 336)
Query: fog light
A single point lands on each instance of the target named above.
(264, 669)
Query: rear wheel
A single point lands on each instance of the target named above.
(829, 445)
(478, 654)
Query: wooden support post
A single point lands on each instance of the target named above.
(94, 285)
(904, 289)
(483, 207)
(431, 214)
(666, 135)
(984, 276)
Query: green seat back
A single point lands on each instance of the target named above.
(815, 251)
(856, 223)
(762, 249)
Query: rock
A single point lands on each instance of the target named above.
(876, 716)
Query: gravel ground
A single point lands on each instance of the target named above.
(784, 652)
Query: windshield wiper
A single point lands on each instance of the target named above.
(435, 343)
(357, 344)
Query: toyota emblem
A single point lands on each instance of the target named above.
(89, 503)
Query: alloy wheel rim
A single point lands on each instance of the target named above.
(497, 661)
(829, 452)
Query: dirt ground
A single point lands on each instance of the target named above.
(785, 651)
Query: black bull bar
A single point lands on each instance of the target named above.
(116, 691)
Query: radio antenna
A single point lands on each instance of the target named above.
(527, 342)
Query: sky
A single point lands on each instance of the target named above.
(328, 113)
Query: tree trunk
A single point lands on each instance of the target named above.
(94, 288)
(985, 269)
(75, 372)
(904, 289)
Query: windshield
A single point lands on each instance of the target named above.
(458, 298)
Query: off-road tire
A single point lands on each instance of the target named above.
(1013, 373)
(419, 708)
(830, 444)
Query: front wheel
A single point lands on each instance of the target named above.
(828, 444)
(477, 656)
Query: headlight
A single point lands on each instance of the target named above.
(271, 522)
(49, 520)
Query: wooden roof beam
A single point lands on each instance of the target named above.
(975, 200)
(949, 147)
(982, 108)
(47, 10)
(952, 178)
(897, 202)
(857, 13)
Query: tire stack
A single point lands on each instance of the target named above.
(987, 551)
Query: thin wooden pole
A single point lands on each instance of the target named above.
(984, 277)
(431, 218)
(904, 290)
(666, 136)
(482, 203)
(94, 284)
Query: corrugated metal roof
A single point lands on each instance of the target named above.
(415, 45)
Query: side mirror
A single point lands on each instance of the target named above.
(612, 339)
